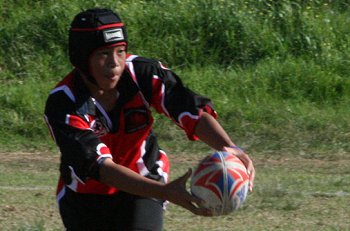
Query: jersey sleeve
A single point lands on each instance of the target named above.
(81, 150)
(169, 96)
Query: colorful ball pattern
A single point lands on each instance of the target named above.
(221, 180)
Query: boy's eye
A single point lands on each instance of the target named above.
(121, 51)
(106, 53)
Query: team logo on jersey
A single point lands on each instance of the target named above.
(98, 128)
(136, 119)
(113, 35)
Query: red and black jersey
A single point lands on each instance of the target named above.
(86, 134)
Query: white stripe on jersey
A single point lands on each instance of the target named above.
(66, 90)
(140, 163)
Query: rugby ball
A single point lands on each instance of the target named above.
(221, 180)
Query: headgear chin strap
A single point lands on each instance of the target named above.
(93, 29)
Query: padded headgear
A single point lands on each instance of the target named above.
(93, 29)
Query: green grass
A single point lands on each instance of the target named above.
(277, 72)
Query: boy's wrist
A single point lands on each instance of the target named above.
(236, 147)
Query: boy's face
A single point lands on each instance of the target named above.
(107, 65)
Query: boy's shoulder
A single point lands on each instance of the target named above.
(140, 60)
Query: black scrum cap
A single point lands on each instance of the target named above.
(93, 29)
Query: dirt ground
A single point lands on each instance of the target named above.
(25, 205)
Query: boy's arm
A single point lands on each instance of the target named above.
(209, 130)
